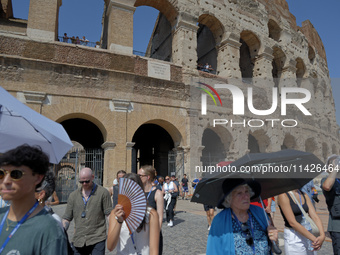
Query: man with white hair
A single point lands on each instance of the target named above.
(88, 206)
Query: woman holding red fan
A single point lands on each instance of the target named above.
(145, 240)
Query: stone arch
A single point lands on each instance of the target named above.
(300, 71)
(74, 125)
(214, 150)
(289, 142)
(86, 117)
(152, 145)
(311, 54)
(164, 6)
(334, 150)
(209, 35)
(310, 145)
(278, 63)
(325, 152)
(250, 45)
(170, 128)
(274, 30)
(258, 141)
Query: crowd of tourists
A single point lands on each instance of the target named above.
(29, 225)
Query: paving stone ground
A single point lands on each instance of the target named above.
(189, 233)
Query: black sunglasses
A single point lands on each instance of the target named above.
(246, 230)
(15, 174)
(82, 182)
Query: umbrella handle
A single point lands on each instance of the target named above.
(276, 248)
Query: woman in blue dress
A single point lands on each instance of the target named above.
(241, 228)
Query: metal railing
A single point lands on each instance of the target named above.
(78, 41)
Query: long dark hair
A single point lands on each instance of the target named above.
(136, 178)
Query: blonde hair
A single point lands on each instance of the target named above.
(150, 171)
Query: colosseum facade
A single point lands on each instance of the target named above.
(128, 110)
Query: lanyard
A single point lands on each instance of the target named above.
(85, 201)
(147, 197)
(17, 226)
(134, 245)
(251, 227)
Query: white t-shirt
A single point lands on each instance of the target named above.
(125, 245)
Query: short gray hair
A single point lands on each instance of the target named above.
(227, 200)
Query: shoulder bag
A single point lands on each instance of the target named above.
(315, 229)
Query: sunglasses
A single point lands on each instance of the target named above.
(15, 174)
(167, 179)
(246, 230)
(82, 182)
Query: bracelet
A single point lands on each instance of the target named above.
(120, 222)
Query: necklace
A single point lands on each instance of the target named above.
(8, 225)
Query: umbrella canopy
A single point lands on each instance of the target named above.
(277, 172)
(20, 125)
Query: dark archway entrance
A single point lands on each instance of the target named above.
(86, 152)
(152, 147)
(253, 145)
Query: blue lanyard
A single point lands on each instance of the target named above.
(251, 227)
(17, 226)
(149, 193)
(134, 245)
(85, 201)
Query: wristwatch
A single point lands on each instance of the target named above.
(120, 222)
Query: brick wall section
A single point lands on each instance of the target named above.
(80, 56)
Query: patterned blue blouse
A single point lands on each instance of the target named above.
(259, 236)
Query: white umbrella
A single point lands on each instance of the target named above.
(20, 125)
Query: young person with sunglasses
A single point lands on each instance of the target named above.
(25, 227)
(241, 228)
(88, 206)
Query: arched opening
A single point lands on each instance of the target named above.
(334, 151)
(258, 141)
(86, 152)
(209, 35)
(288, 142)
(325, 152)
(153, 144)
(300, 71)
(250, 46)
(274, 30)
(311, 54)
(82, 26)
(310, 145)
(278, 64)
(214, 151)
(253, 145)
(84, 132)
(152, 36)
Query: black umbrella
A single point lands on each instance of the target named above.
(277, 172)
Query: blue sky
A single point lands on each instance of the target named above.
(76, 21)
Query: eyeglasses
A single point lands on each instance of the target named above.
(82, 182)
(15, 174)
(246, 230)
(167, 179)
(141, 175)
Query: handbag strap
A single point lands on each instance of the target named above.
(295, 200)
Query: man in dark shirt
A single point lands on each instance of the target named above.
(331, 190)
(88, 206)
(185, 187)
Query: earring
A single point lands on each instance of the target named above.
(40, 201)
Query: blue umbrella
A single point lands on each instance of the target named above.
(20, 125)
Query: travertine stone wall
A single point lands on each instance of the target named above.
(113, 88)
